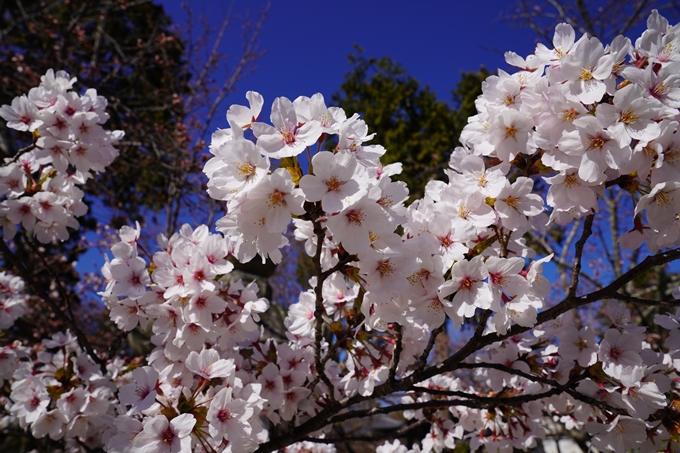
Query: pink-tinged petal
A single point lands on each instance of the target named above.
(591, 91)
(283, 114)
(278, 220)
(603, 68)
(309, 133)
(313, 188)
(571, 143)
(272, 144)
(332, 202)
(592, 166)
(183, 424)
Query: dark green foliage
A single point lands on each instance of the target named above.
(134, 57)
(414, 126)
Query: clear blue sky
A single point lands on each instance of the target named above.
(306, 42)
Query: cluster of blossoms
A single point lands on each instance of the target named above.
(13, 302)
(389, 276)
(39, 185)
(61, 392)
(196, 382)
(12, 299)
(594, 117)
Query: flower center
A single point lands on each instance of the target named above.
(245, 169)
(467, 283)
(581, 343)
(276, 199)
(586, 74)
(385, 267)
(355, 217)
(596, 142)
(334, 184)
(288, 137)
(569, 115)
(512, 201)
(662, 199)
(572, 180)
(629, 117)
(168, 436)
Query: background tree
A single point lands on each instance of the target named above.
(414, 126)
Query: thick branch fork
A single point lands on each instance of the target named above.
(332, 412)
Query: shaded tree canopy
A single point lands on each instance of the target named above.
(415, 127)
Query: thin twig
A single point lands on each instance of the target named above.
(583, 10)
(398, 346)
(550, 382)
(319, 309)
(387, 435)
(578, 255)
(632, 18)
(422, 361)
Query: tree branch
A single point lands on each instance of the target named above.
(587, 231)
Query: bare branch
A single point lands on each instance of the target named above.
(583, 11)
(212, 58)
(552, 383)
(388, 435)
(648, 302)
(561, 263)
(633, 17)
(565, 17)
(398, 346)
(587, 231)
(422, 360)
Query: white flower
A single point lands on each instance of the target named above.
(466, 282)
(332, 182)
(161, 436)
(209, 365)
(142, 394)
(622, 434)
(285, 139)
(228, 417)
(585, 67)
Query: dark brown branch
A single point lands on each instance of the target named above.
(559, 260)
(565, 17)
(319, 309)
(648, 302)
(388, 435)
(632, 18)
(550, 382)
(22, 151)
(580, 244)
(583, 10)
(496, 401)
(422, 360)
(477, 403)
(398, 346)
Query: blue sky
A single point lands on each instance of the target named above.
(306, 42)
